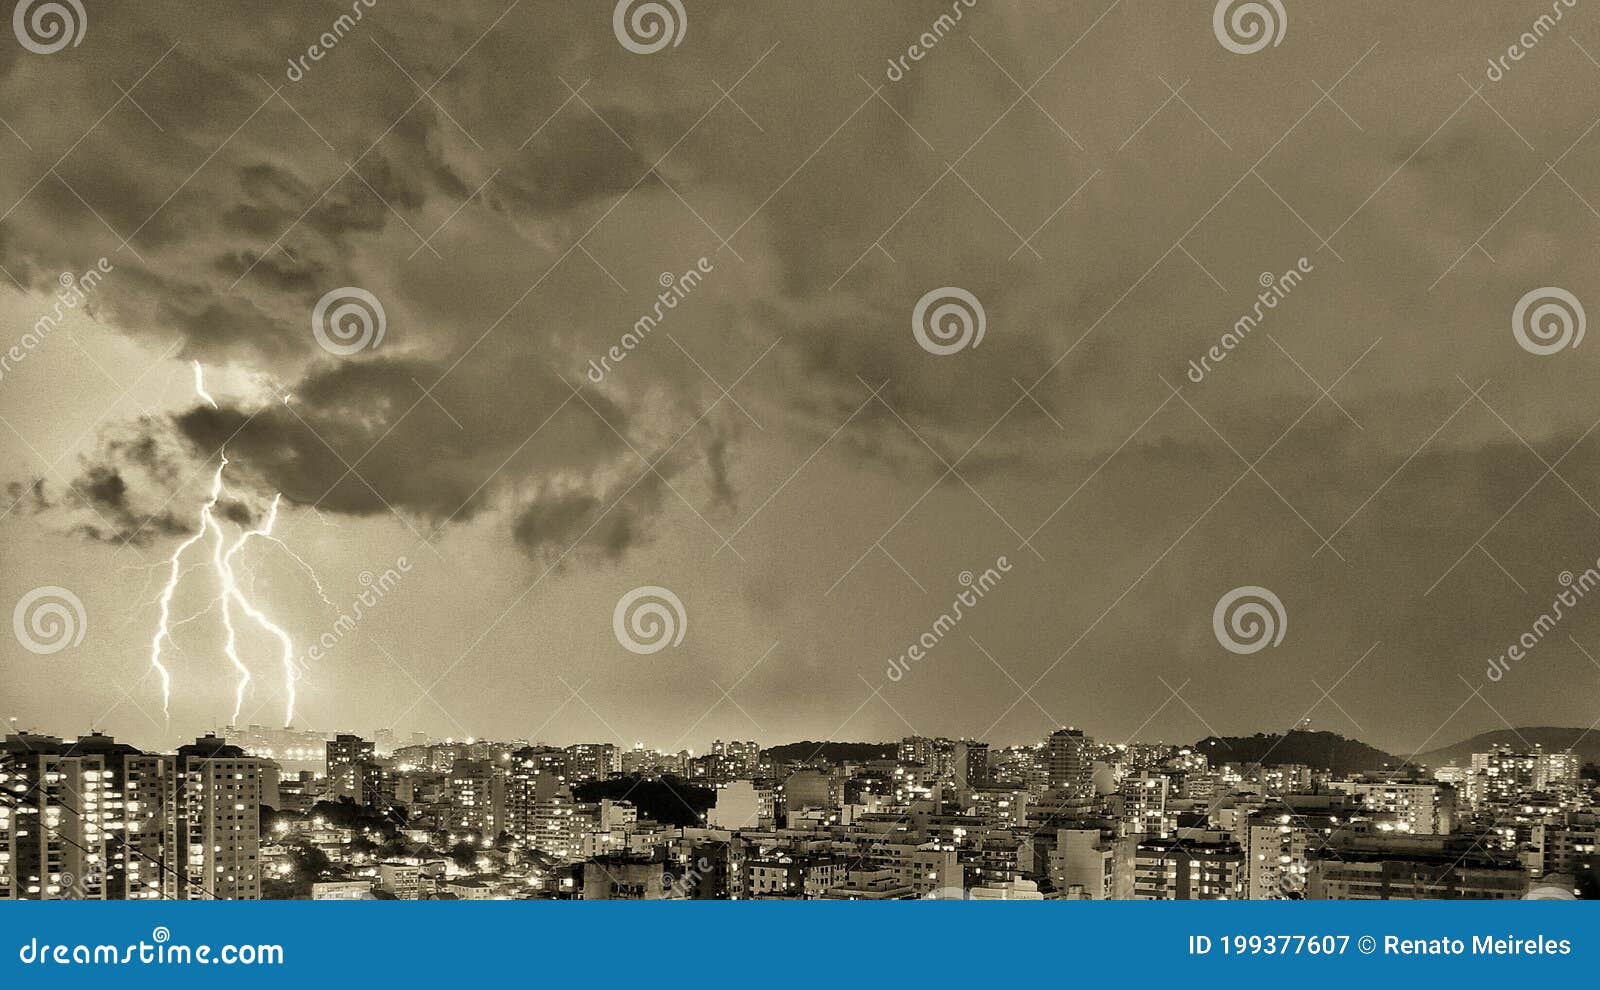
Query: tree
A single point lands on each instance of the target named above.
(670, 800)
(464, 854)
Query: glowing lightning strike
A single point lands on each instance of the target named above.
(286, 646)
(222, 557)
(200, 386)
(230, 592)
(164, 630)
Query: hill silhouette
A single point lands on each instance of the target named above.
(1323, 750)
(1554, 739)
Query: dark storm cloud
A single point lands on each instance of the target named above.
(1106, 261)
(115, 497)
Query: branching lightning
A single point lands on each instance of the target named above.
(164, 628)
(231, 594)
(285, 644)
(223, 562)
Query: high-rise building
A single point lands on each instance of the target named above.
(344, 749)
(1424, 807)
(477, 798)
(1193, 865)
(1068, 755)
(1144, 802)
(135, 803)
(52, 822)
(1092, 864)
(971, 763)
(592, 761)
(1397, 866)
(1499, 778)
(215, 828)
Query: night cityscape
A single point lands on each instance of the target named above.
(287, 814)
(699, 450)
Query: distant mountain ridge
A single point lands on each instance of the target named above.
(1322, 750)
(1583, 742)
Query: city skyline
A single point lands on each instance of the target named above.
(1071, 818)
(395, 739)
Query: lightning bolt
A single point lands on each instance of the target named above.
(285, 644)
(223, 562)
(200, 386)
(222, 559)
(164, 627)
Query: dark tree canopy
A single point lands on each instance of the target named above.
(670, 800)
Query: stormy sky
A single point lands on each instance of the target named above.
(1404, 456)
